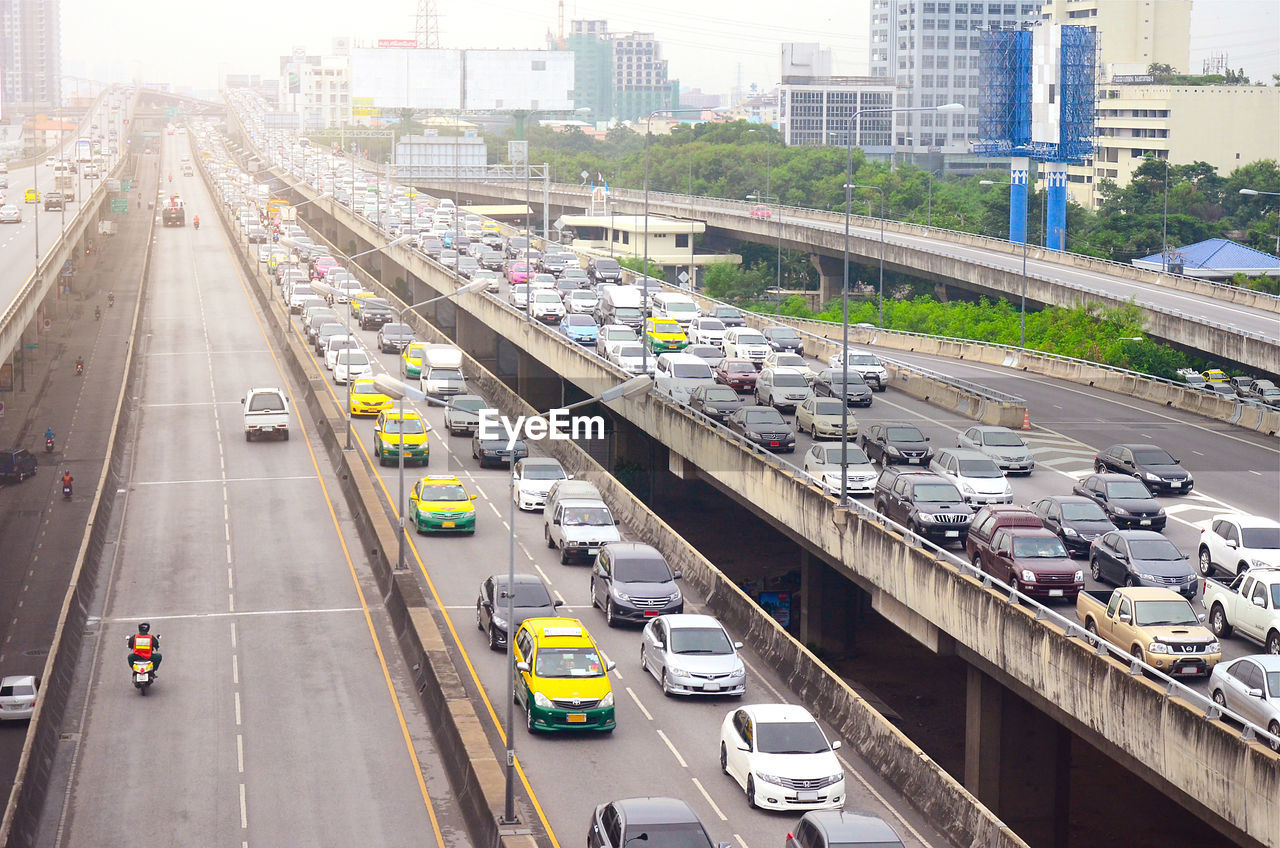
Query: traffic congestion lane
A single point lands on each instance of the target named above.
(684, 734)
(271, 679)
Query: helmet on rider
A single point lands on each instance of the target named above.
(144, 628)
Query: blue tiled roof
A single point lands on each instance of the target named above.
(1221, 254)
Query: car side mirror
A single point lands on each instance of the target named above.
(676, 575)
(610, 665)
(737, 646)
(742, 747)
(1259, 602)
(1233, 544)
(1122, 556)
(835, 746)
(1102, 496)
(523, 666)
(473, 497)
(1255, 693)
(1124, 617)
(556, 520)
(242, 400)
(1200, 616)
(568, 477)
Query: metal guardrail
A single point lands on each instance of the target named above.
(1071, 629)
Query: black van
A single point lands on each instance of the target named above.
(17, 464)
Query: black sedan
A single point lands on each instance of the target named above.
(495, 451)
(393, 338)
(1149, 463)
(718, 402)
(1126, 502)
(763, 426)
(1077, 521)
(783, 339)
(831, 383)
(730, 316)
(895, 442)
(1142, 558)
(530, 600)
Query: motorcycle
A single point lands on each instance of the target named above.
(143, 675)
(79, 368)
(66, 491)
(48, 445)
(111, 300)
(97, 313)
(196, 223)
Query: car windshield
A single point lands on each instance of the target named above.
(1153, 456)
(764, 416)
(790, 737)
(666, 327)
(681, 306)
(854, 378)
(1154, 549)
(751, 339)
(542, 472)
(1155, 613)
(1000, 439)
(937, 493)
(626, 312)
(641, 570)
(710, 324)
(626, 351)
(791, 381)
(588, 516)
(721, 395)
(903, 434)
(407, 425)
(444, 374)
(568, 662)
(979, 468)
(1261, 538)
(606, 265)
(739, 368)
(784, 335)
(691, 371)
(1083, 512)
(444, 492)
(700, 640)
(726, 312)
(1127, 489)
(581, 321)
(365, 389)
(547, 297)
(789, 360)
(352, 357)
(1036, 548)
(1273, 677)
(527, 594)
(853, 456)
(672, 835)
(863, 359)
(828, 407)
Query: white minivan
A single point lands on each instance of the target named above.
(677, 374)
(674, 305)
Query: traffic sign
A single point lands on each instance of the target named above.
(683, 276)
(48, 324)
(120, 206)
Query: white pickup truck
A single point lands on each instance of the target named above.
(1249, 607)
(266, 413)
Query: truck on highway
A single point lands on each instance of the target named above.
(173, 213)
(266, 413)
(65, 183)
(1157, 626)
(1249, 606)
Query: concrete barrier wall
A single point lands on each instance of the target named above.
(20, 826)
(1039, 662)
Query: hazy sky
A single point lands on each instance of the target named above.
(707, 47)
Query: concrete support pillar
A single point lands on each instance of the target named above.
(940, 292)
(1019, 168)
(1017, 762)
(810, 599)
(1055, 175)
(830, 276)
(478, 340)
(537, 384)
(830, 606)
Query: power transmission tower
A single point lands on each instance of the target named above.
(427, 30)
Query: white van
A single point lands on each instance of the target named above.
(619, 304)
(674, 305)
(442, 371)
(677, 374)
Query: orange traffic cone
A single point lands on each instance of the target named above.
(1026, 419)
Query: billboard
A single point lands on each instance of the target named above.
(486, 80)
(398, 77)
(396, 43)
(362, 107)
(518, 79)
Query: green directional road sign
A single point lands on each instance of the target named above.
(172, 111)
(120, 206)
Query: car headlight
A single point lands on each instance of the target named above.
(1079, 577)
(1028, 576)
(1257, 563)
(674, 596)
(1214, 648)
(1155, 478)
(1158, 648)
(891, 449)
(1160, 512)
(542, 700)
(1120, 510)
(1069, 531)
(606, 701)
(966, 488)
(740, 671)
(677, 671)
(769, 778)
(499, 622)
(622, 596)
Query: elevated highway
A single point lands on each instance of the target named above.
(1234, 324)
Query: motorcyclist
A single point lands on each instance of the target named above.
(111, 298)
(195, 221)
(48, 434)
(145, 645)
(79, 364)
(97, 313)
(67, 479)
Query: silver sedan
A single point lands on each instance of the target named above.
(1250, 687)
(692, 655)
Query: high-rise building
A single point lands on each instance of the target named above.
(620, 76)
(30, 53)
(817, 111)
(317, 89)
(930, 49)
(1132, 34)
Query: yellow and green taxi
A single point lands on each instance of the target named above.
(411, 359)
(440, 503)
(1216, 375)
(366, 399)
(394, 427)
(663, 335)
(357, 301)
(490, 227)
(275, 257)
(562, 679)
(31, 196)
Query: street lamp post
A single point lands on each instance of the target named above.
(1164, 223)
(644, 309)
(848, 201)
(765, 198)
(396, 388)
(1254, 191)
(1022, 311)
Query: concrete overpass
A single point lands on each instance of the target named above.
(1013, 655)
(1238, 325)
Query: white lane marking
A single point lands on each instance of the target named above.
(495, 510)
(740, 840)
(237, 696)
(231, 603)
(674, 752)
(698, 784)
(192, 403)
(240, 752)
(228, 614)
(1251, 471)
(635, 698)
(233, 636)
(1061, 460)
(235, 669)
(224, 480)
(244, 815)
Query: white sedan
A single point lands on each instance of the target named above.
(692, 655)
(351, 364)
(781, 757)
